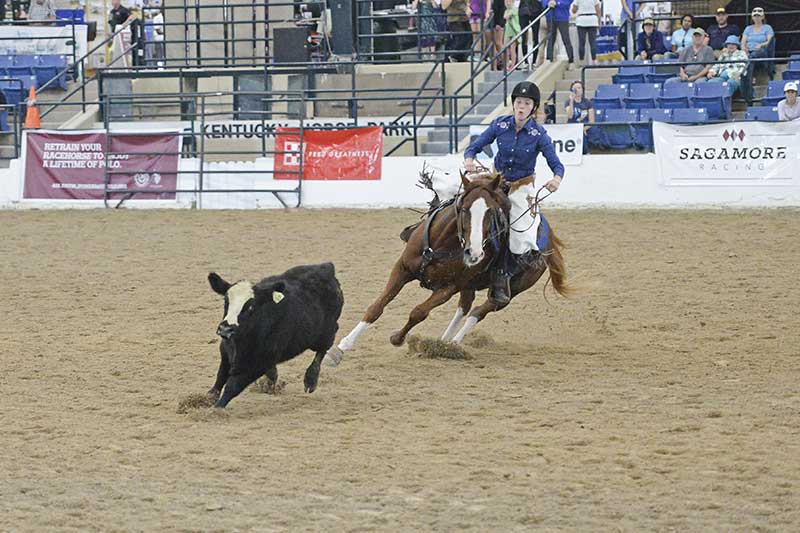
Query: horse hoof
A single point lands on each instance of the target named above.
(333, 356)
(397, 339)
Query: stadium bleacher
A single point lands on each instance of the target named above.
(712, 97)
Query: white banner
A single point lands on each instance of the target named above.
(43, 40)
(567, 138)
(733, 153)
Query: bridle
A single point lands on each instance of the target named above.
(497, 226)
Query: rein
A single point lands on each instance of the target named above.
(533, 209)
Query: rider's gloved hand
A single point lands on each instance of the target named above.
(553, 184)
(469, 165)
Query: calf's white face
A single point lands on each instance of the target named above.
(237, 296)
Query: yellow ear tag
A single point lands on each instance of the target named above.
(277, 297)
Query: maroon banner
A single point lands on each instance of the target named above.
(71, 166)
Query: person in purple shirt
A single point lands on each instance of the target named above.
(558, 19)
(519, 142)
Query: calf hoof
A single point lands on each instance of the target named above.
(213, 394)
(333, 356)
(311, 379)
(397, 338)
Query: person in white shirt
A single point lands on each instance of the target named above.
(159, 53)
(587, 19)
(789, 108)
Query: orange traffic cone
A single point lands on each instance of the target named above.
(32, 119)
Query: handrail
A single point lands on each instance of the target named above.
(84, 81)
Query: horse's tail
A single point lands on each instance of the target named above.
(557, 266)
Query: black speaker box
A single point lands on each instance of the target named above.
(290, 45)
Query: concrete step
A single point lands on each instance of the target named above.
(438, 135)
(481, 110)
(435, 148)
(514, 77)
(466, 121)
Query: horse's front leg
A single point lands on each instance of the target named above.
(420, 312)
(465, 300)
(398, 278)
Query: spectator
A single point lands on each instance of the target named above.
(730, 72)
(627, 15)
(42, 10)
(479, 21)
(579, 109)
(558, 20)
(119, 15)
(529, 10)
(498, 24)
(137, 37)
(426, 29)
(650, 42)
(682, 37)
(718, 33)
(587, 19)
(458, 26)
(758, 41)
(698, 52)
(159, 50)
(789, 108)
(512, 29)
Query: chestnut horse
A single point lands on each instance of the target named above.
(452, 252)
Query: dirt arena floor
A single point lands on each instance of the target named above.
(665, 397)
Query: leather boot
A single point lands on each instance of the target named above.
(500, 287)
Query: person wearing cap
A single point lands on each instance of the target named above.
(682, 37)
(520, 140)
(758, 40)
(718, 33)
(650, 42)
(789, 108)
(729, 72)
(698, 52)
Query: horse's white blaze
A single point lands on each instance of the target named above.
(468, 325)
(238, 295)
(453, 327)
(476, 212)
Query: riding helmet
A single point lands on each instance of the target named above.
(526, 89)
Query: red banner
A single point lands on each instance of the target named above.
(347, 154)
(61, 166)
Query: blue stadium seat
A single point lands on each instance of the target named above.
(689, 116)
(792, 72)
(632, 74)
(794, 57)
(13, 92)
(643, 133)
(610, 96)
(6, 61)
(23, 66)
(27, 82)
(676, 95)
(642, 95)
(4, 120)
(663, 69)
(774, 93)
(715, 98)
(48, 67)
(765, 114)
(617, 135)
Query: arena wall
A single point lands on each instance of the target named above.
(615, 181)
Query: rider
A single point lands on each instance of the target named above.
(520, 139)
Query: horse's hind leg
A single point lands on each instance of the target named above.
(519, 284)
(398, 278)
(464, 305)
(420, 313)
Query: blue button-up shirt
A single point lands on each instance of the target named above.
(517, 152)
